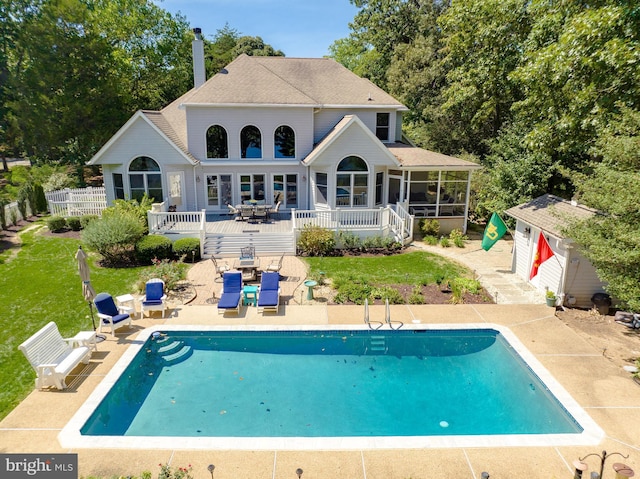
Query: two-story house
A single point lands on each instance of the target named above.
(307, 133)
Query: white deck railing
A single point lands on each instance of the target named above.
(176, 222)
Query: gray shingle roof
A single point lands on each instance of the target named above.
(550, 213)
(413, 156)
(289, 81)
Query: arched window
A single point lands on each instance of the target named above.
(145, 177)
(352, 182)
(250, 142)
(217, 146)
(284, 140)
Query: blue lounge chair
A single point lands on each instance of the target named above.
(109, 314)
(155, 297)
(269, 292)
(231, 292)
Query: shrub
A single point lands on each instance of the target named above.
(40, 200)
(171, 272)
(387, 292)
(56, 224)
(22, 202)
(431, 240)
(350, 241)
(86, 219)
(444, 242)
(3, 218)
(473, 286)
(114, 237)
(153, 247)
(74, 223)
(178, 473)
(132, 208)
(187, 247)
(353, 292)
(430, 227)
(316, 241)
(458, 238)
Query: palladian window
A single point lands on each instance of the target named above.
(145, 177)
(250, 142)
(284, 141)
(352, 181)
(217, 145)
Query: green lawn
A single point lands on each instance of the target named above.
(39, 285)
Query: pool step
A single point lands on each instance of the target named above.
(378, 343)
(178, 356)
(168, 348)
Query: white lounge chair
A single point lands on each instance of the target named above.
(52, 357)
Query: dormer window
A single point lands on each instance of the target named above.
(217, 145)
(250, 142)
(284, 140)
(382, 126)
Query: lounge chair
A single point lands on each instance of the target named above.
(234, 211)
(269, 292)
(109, 314)
(387, 316)
(221, 267)
(155, 297)
(231, 292)
(276, 265)
(367, 321)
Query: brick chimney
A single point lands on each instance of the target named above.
(197, 46)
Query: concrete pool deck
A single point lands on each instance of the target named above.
(606, 392)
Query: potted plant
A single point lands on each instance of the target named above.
(551, 298)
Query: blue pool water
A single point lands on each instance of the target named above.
(327, 384)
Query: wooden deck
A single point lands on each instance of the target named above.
(231, 226)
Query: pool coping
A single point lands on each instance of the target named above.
(70, 437)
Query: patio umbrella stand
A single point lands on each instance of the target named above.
(87, 290)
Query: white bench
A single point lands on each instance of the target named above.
(52, 357)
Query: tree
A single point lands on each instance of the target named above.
(255, 47)
(580, 61)
(611, 238)
(483, 42)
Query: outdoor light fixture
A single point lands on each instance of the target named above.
(210, 468)
(621, 469)
(299, 473)
(527, 231)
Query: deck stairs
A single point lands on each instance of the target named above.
(227, 245)
(378, 344)
(172, 351)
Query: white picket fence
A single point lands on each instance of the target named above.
(77, 202)
(12, 214)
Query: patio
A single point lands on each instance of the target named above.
(606, 393)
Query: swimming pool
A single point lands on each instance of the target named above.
(418, 387)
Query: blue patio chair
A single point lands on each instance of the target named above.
(231, 292)
(269, 292)
(155, 297)
(109, 314)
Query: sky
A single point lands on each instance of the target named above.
(300, 28)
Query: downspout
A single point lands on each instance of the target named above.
(196, 191)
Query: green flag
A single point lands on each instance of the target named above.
(493, 232)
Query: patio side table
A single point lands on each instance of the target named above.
(84, 338)
(250, 295)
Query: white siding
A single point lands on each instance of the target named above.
(199, 119)
(566, 273)
(581, 280)
(141, 139)
(326, 119)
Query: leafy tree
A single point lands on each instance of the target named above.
(580, 60)
(255, 46)
(483, 41)
(611, 239)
